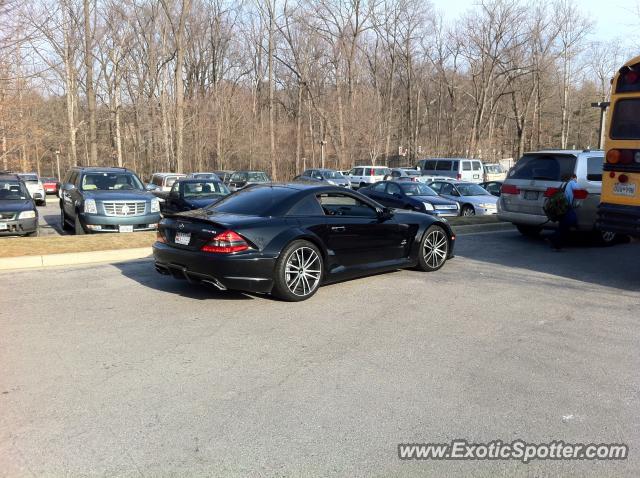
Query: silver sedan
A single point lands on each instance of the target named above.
(473, 199)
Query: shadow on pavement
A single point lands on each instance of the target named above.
(144, 273)
(616, 266)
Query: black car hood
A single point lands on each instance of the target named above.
(15, 205)
(433, 199)
(118, 195)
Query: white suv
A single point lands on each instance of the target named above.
(361, 176)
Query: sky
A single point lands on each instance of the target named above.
(615, 19)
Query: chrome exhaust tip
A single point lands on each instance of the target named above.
(214, 282)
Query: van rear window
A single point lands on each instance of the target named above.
(549, 167)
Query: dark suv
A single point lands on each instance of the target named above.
(96, 199)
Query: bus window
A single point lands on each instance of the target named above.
(626, 119)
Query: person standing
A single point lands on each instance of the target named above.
(569, 219)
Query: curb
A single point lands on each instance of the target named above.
(74, 258)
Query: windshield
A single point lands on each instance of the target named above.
(472, 190)
(204, 176)
(254, 201)
(13, 191)
(417, 189)
(332, 175)
(626, 119)
(203, 189)
(411, 172)
(549, 167)
(110, 182)
(29, 178)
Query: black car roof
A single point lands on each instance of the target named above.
(98, 169)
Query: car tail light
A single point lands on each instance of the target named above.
(550, 192)
(613, 156)
(160, 237)
(458, 176)
(509, 189)
(225, 243)
(622, 156)
(580, 194)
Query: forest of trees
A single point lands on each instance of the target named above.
(280, 85)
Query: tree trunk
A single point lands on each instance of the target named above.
(90, 91)
(186, 5)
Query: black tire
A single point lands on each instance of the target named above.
(529, 231)
(63, 220)
(43, 203)
(287, 283)
(467, 211)
(434, 249)
(606, 239)
(78, 230)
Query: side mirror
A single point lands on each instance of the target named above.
(68, 187)
(151, 187)
(384, 213)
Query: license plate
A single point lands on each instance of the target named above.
(125, 228)
(624, 189)
(3, 226)
(533, 195)
(183, 238)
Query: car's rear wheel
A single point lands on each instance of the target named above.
(606, 238)
(529, 231)
(298, 272)
(434, 249)
(468, 211)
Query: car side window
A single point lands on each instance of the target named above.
(446, 189)
(444, 166)
(476, 165)
(594, 169)
(306, 173)
(307, 206)
(395, 174)
(74, 178)
(466, 165)
(357, 172)
(393, 188)
(379, 187)
(436, 187)
(338, 204)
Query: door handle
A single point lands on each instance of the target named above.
(338, 228)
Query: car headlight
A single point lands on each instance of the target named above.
(428, 206)
(27, 215)
(155, 205)
(487, 205)
(90, 206)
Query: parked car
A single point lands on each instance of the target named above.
(213, 176)
(35, 187)
(94, 199)
(163, 181)
(329, 176)
(410, 195)
(403, 174)
(537, 175)
(18, 211)
(494, 172)
(463, 169)
(361, 176)
(188, 194)
(493, 187)
(472, 198)
(224, 175)
(288, 239)
(50, 185)
(242, 179)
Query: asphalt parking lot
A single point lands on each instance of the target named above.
(50, 217)
(115, 370)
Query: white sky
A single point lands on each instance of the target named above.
(615, 19)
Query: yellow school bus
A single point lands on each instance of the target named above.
(619, 209)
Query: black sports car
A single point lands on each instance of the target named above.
(287, 239)
(411, 195)
(187, 194)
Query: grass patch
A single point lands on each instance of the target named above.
(36, 246)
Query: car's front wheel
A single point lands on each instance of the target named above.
(298, 271)
(606, 238)
(468, 211)
(434, 249)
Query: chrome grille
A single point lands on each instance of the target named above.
(124, 208)
(7, 216)
(446, 206)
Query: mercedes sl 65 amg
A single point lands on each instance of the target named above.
(288, 239)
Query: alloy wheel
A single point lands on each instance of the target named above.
(608, 237)
(303, 271)
(435, 248)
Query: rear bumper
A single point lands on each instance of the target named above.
(618, 218)
(250, 272)
(98, 223)
(19, 226)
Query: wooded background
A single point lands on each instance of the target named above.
(282, 85)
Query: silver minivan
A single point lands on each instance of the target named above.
(537, 175)
(464, 169)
